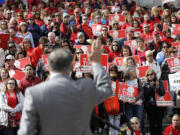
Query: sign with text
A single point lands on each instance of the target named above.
(21, 63)
(86, 65)
(166, 1)
(174, 81)
(174, 64)
(45, 60)
(4, 38)
(119, 61)
(116, 34)
(141, 71)
(120, 18)
(85, 48)
(128, 93)
(17, 74)
(132, 44)
(97, 29)
(166, 99)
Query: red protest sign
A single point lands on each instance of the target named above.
(141, 71)
(136, 58)
(117, 33)
(177, 45)
(17, 74)
(119, 61)
(45, 60)
(166, 1)
(86, 64)
(85, 48)
(174, 64)
(176, 29)
(120, 18)
(21, 63)
(128, 93)
(97, 29)
(132, 44)
(166, 99)
(4, 38)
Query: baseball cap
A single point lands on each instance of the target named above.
(9, 57)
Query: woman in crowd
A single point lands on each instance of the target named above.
(137, 28)
(135, 127)
(115, 25)
(128, 22)
(153, 86)
(114, 52)
(130, 61)
(174, 19)
(3, 27)
(126, 51)
(155, 15)
(23, 33)
(27, 46)
(133, 109)
(4, 76)
(12, 104)
(141, 49)
(152, 63)
(104, 36)
(21, 53)
(167, 36)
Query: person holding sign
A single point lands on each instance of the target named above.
(154, 113)
(132, 109)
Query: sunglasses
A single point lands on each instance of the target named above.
(174, 52)
(115, 24)
(11, 46)
(104, 30)
(49, 20)
(150, 74)
(115, 45)
(11, 83)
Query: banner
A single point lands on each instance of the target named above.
(128, 93)
(86, 65)
(4, 38)
(166, 99)
(120, 18)
(177, 45)
(141, 71)
(85, 48)
(166, 1)
(97, 29)
(174, 64)
(21, 63)
(174, 81)
(132, 44)
(116, 34)
(45, 60)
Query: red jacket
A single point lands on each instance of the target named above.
(168, 40)
(25, 83)
(170, 130)
(63, 28)
(36, 55)
(87, 30)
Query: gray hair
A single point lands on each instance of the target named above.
(60, 60)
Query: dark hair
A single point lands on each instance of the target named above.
(112, 46)
(126, 47)
(177, 38)
(30, 65)
(43, 40)
(60, 60)
(16, 85)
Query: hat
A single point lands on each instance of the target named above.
(65, 15)
(30, 16)
(155, 32)
(9, 57)
(149, 52)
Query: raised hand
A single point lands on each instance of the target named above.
(96, 50)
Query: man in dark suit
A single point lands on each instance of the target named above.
(62, 106)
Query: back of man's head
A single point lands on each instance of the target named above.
(60, 60)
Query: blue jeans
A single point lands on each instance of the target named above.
(132, 110)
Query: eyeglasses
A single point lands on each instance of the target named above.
(49, 20)
(165, 47)
(150, 74)
(133, 123)
(79, 52)
(20, 53)
(11, 83)
(115, 45)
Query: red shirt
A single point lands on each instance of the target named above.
(18, 40)
(112, 55)
(63, 28)
(168, 40)
(150, 23)
(87, 29)
(170, 130)
(142, 56)
(25, 83)
(36, 55)
(39, 22)
(125, 26)
(74, 36)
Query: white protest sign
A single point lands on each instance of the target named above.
(174, 81)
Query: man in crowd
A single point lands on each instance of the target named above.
(30, 78)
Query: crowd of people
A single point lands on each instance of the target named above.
(36, 28)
